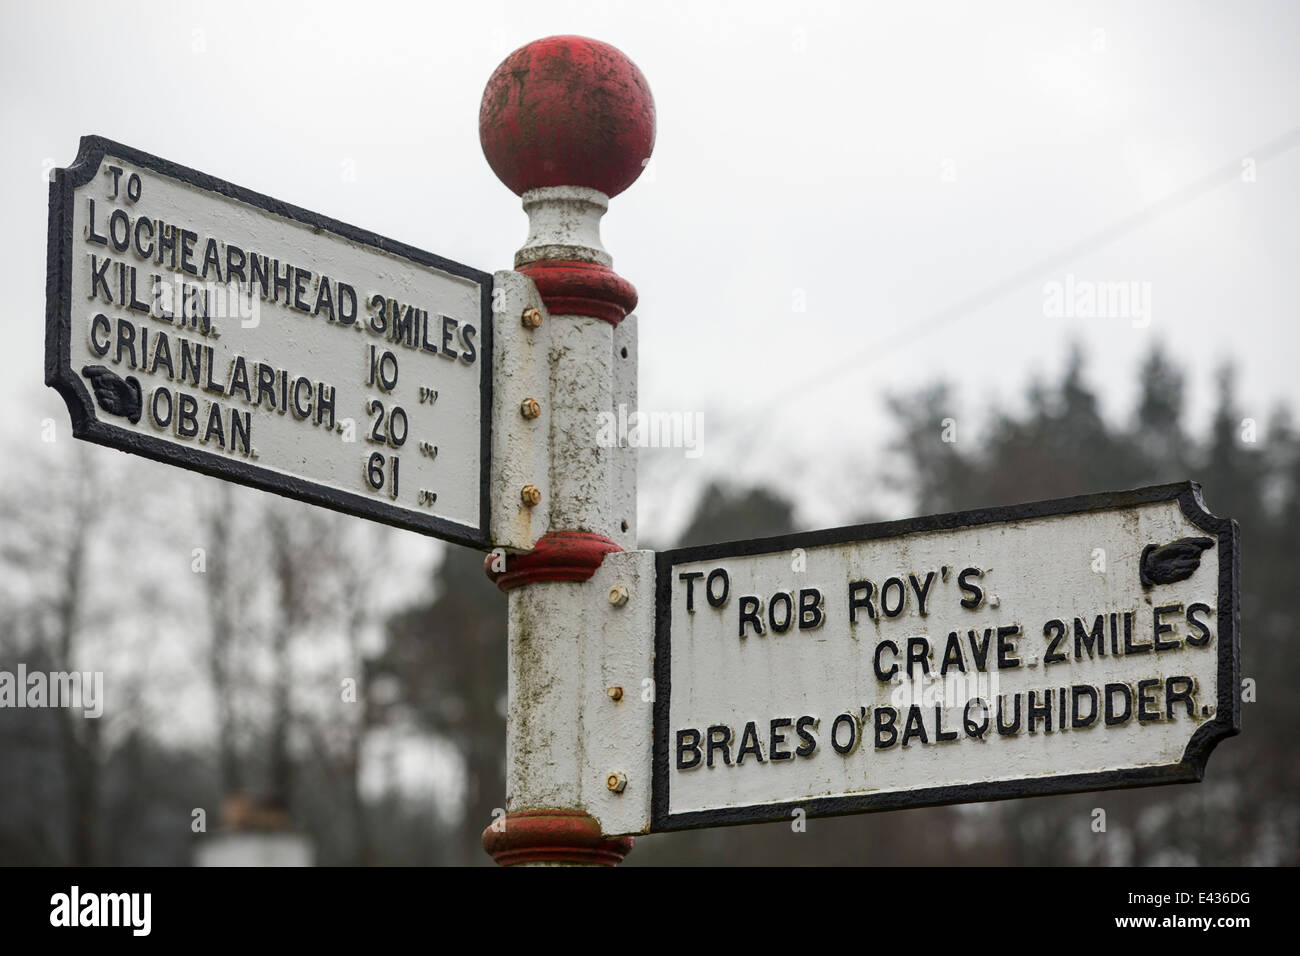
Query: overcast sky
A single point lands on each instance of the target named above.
(876, 164)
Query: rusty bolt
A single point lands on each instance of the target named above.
(530, 408)
(615, 693)
(618, 595)
(532, 318)
(531, 495)
(616, 782)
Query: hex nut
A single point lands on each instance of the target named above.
(618, 595)
(614, 693)
(531, 495)
(530, 408)
(531, 318)
(616, 782)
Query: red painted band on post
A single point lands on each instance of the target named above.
(570, 287)
(557, 556)
(554, 836)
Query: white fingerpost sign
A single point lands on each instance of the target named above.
(205, 325)
(1078, 644)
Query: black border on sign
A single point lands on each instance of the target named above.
(81, 406)
(1190, 769)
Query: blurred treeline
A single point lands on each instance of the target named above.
(258, 646)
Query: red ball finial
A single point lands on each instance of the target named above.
(567, 111)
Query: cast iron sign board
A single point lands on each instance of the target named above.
(201, 324)
(1078, 644)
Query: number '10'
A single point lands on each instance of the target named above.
(383, 369)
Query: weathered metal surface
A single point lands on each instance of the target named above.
(566, 123)
(623, 471)
(617, 735)
(565, 258)
(564, 223)
(567, 111)
(557, 556)
(582, 468)
(204, 325)
(573, 287)
(553, 837)
(569, 644)
(840, 671)
(520, 445)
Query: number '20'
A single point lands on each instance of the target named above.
(387, 427)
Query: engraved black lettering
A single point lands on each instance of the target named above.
(690, 577)
(860, 596)
(688, 749)
(719, 739)
(751, 609)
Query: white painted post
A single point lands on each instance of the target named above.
(566, 123)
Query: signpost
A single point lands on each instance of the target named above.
(1079, 644)
(211, 327)
(1065, 645)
